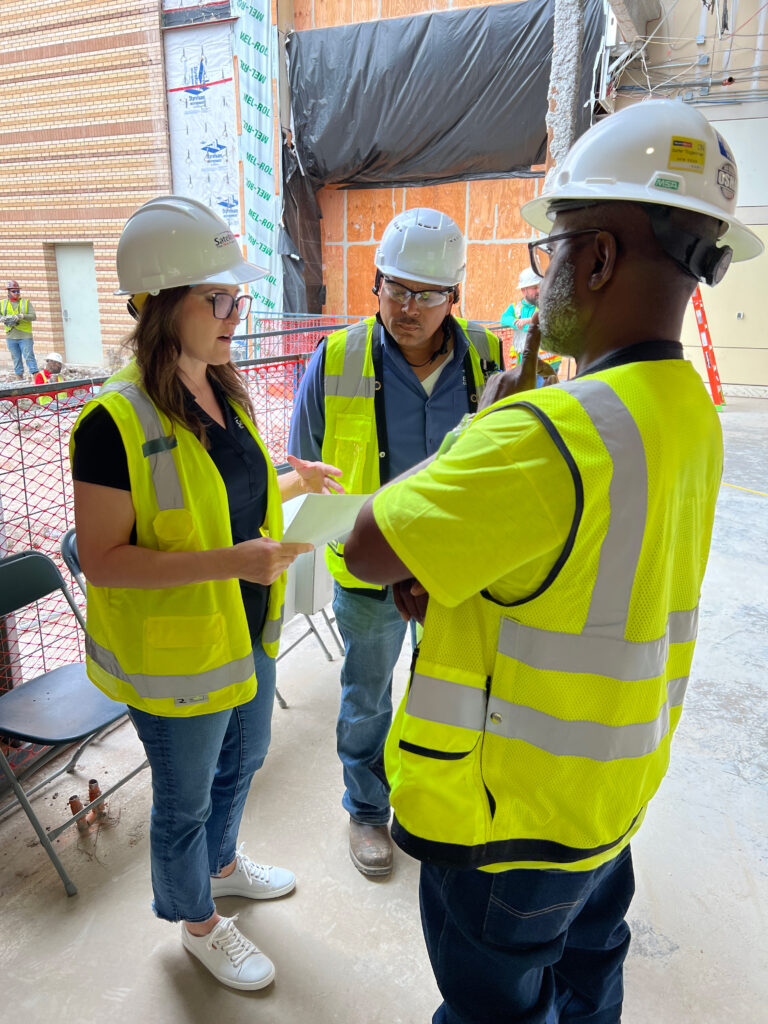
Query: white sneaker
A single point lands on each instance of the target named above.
(229, 956)
(254, 881)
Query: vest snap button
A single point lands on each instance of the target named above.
(496, 718)
(382, 455)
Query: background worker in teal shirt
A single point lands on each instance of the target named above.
(518, 314)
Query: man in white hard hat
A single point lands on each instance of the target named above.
(50, 372)
(519, 315)
(380, 396)
(551, 675)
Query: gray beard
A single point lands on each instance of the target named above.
(559, 316)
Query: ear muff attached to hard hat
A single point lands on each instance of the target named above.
(135, 304)
(700, 257)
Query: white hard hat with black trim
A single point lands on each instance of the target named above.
(173, 241)
(423, 245)
(657, 151)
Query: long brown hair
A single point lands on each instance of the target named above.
(156, 345)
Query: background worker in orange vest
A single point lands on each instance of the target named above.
(17, 315)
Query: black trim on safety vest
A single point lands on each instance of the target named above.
(500, 851)
(553, 432)
(159, 444)
(377, 355)
(437, 755)
(471, 385)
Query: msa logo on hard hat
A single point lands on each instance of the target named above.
(668, 183)
(225, 238)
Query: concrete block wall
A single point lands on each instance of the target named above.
(354, 219)
(83, 142)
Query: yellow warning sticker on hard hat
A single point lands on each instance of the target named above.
(687, 154)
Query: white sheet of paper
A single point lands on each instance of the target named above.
(318, 518)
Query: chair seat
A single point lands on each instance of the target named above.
(60, 706)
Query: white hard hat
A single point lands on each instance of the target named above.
(528, 278)
(423, 245)
(173, 241)
(657, 151)
(54, 357)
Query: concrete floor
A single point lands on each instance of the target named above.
(350, 950)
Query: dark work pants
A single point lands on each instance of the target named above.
(528, 947)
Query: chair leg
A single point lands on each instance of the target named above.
(69, 885)
(319, 639)
(333, 632)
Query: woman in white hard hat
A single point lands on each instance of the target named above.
(178, 517)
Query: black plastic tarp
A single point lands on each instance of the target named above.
(430, 98)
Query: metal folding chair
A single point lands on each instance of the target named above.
(56, 708)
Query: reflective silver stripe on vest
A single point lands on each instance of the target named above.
(479, 339)
(455, 704)
(271, 632)
(595, 654)
(156, 687)
(437, 700)
(165, 476)
(601, 647)
(565, 738)
(352, 383)
(628, 497)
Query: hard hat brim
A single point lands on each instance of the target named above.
(243, 273)
(744, 242)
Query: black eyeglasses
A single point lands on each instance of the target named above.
(540, 252)
(426, 297)
(223, 303)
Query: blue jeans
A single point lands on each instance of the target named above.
(19, 347)
(373, 634)
(201, 773)
(533, 947)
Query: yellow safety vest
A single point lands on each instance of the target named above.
(351, 439)
(533, 735)
(175, 651)
(21, 310)
(52, 379)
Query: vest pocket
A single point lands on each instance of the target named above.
(190, 644)
(351, 440)
(435, 773)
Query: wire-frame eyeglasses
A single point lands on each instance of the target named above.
(540, 252)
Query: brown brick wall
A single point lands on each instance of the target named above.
(353, 220)
(83, 142)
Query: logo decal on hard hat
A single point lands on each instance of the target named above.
(687, 154)
(225, 238)
(726, 179)
(668, 183)
(723, 147)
